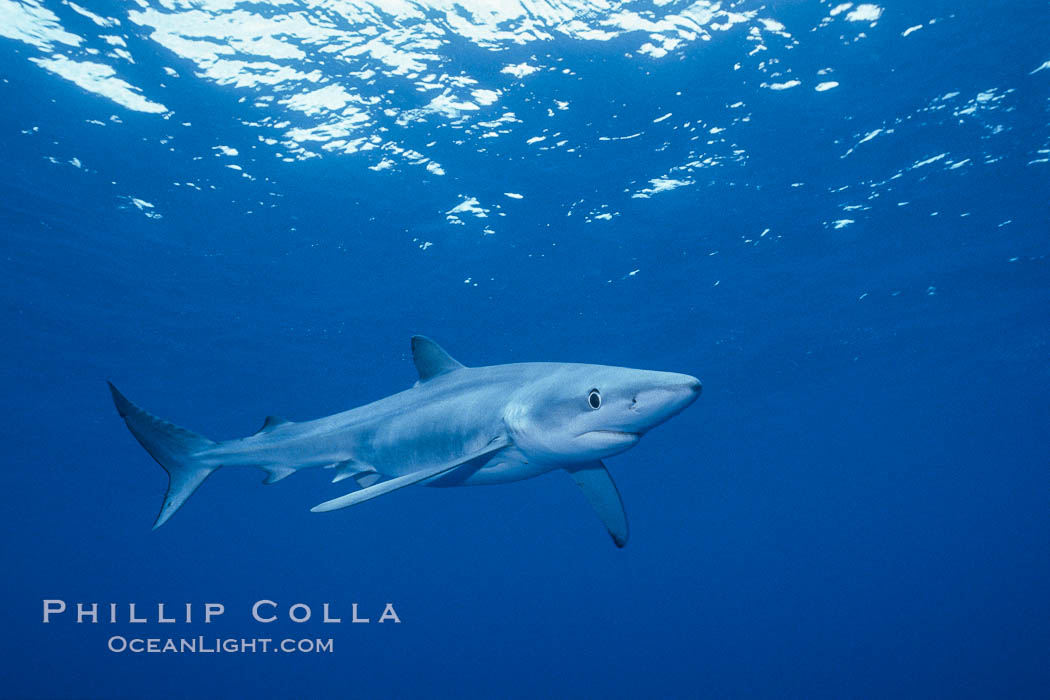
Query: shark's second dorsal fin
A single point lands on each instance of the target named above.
(431, 359)
(270, 423)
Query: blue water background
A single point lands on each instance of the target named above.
(857, 506)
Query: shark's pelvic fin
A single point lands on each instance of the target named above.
(173, 447)
(431, 359)
(364, 474)
(343, 470)
(389, 485)
(600, 489)
(366, 479)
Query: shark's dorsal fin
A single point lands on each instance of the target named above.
(431, 359)
(270, 423)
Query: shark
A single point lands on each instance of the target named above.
(456, 426)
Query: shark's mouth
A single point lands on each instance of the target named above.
(604, 443)
(609, 438)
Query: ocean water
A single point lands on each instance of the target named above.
(834, 214)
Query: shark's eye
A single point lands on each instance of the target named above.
(594, 399)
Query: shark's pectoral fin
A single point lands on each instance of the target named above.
(389, 485)
(599, 488)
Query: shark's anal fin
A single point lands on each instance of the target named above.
(431, 359)
(278, 473)
(600, 489)
(389, 485)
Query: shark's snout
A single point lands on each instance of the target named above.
(658, 403)
(680, 388)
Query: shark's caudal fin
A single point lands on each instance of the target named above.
(173, 447)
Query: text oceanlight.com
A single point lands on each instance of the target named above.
(216, 645)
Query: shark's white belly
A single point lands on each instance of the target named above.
(505, 466)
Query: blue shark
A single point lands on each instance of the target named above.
(457, 426)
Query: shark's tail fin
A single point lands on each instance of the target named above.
(173, 447)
